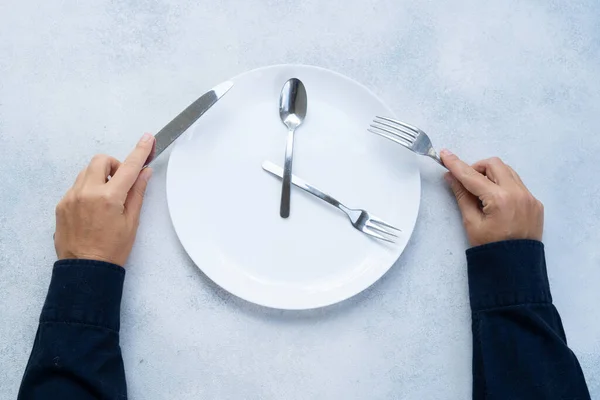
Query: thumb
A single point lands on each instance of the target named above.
(135, 197)
(467, 202)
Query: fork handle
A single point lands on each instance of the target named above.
(278, 172)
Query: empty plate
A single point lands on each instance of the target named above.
(225, 208)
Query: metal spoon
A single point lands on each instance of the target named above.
(292, 110)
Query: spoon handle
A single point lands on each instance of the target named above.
(284, 210)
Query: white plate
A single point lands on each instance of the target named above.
(225, 208)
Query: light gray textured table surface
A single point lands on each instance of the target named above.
(518, 79)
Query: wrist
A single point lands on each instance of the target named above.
(478, 240)
(89, 256)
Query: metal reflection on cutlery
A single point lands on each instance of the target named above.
(360, 219)
(292, 110)
(406, 135)
(167, 135)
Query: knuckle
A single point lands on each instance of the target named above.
(496, 161)
(464, 174)
(502, 198)
(70, 197)
(457, 188)
(81, 197)
(109, 197)
(459, 193)
(105, 197)
(99, 158)
(525, 199)
(468, 173)
(128, 164)
(539, 205)
(467, 222)
(138, 191)
(60, 207)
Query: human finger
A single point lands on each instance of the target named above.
(496, 171)
(135, 197)
(80, 178)
(467, 202)
(516, 176)
(129, 171)
(472, 180)
(100, 168)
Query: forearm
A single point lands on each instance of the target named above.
(76, 353)
(519, 345)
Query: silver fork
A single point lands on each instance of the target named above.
(406, 135)
(360, 219)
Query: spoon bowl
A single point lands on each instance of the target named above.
(293, 103)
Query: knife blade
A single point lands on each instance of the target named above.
(167, 135)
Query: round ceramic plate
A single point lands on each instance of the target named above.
(225, 208)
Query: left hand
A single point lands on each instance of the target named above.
(98, 217)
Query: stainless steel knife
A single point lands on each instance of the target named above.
(167, 135)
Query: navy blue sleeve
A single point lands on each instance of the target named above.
(76, 353)
(519, 346)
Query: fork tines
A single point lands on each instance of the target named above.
(394, 130)
(379, 229)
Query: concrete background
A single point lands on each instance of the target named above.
(513, 78)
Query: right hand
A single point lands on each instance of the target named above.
(98, 217)
(494, 202)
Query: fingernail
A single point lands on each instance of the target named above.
(446, 152)
(449, 178)
(146, 137)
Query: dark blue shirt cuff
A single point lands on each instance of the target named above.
(86, 292)
(507, 273)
